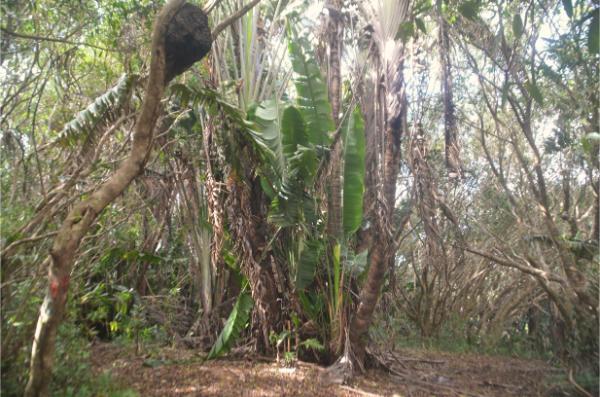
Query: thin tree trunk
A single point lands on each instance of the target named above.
(335, 28)
(450, 128)
(82, 216)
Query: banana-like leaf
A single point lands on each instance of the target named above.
(102, 110)
(265, 132)
(238, 318)
(293, 131)
(354, 172)
(312, 97)
(293, 205)
(307, 265)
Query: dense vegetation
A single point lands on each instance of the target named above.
(331, 175)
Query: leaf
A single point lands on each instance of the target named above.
(312, 343)
(238, 318)
(470, 9)
(551, 74)
(535, 92)
(421, 25)
(594, 33)
(307, 265)
(405, 31)
(293, 130)
(102, 110)
(517, 26)
(312, 97)
(265, 132)
(568, 6)
(354, 172)
(356, 263)
(589, 141)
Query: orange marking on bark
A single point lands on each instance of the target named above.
(59, 286)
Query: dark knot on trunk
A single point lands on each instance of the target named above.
(187, 41)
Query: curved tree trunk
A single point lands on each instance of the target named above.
(82, 216)
(382, 252)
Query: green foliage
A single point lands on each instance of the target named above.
(312, 98)
(354, 172)
(99, 111)
(265, 132)
(309, 259)
(534, 92)
(311, 343)
(72, 376)
(470, 9)
(517, 26)
(237, 321)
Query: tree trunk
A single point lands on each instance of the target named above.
(450, 128)
(82, 216)
(382, 254)
(335, 38)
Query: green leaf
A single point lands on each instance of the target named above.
(551, 74)
(405, 31)
(307, 265)
(265, 132)
(312, 343)
(517, 26)
(102, 110)
(568, 6)
(421, 25)
(535, 92)
(589, 141)
(594, 33)
(238, 318)
(312, 97)
(470, 9)
(293, 131)
(356, 263)
(354, 172)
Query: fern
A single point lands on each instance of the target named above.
(238, 318)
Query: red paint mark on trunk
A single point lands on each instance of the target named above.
(59, 286)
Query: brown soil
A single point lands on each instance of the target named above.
(174, 372)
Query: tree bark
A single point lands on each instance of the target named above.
(382, 253)
(82, 216)
(450, 128)
(335, 30)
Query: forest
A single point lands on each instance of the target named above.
(299, 197)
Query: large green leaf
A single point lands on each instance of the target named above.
(292, 204)
(293, 130)
(103, 109)
(238, 318)
(307, 265)
(311, 90)
(265, 132)
(354, 172)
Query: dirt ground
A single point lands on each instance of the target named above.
(173, 372)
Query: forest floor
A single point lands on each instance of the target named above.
(180, 372)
